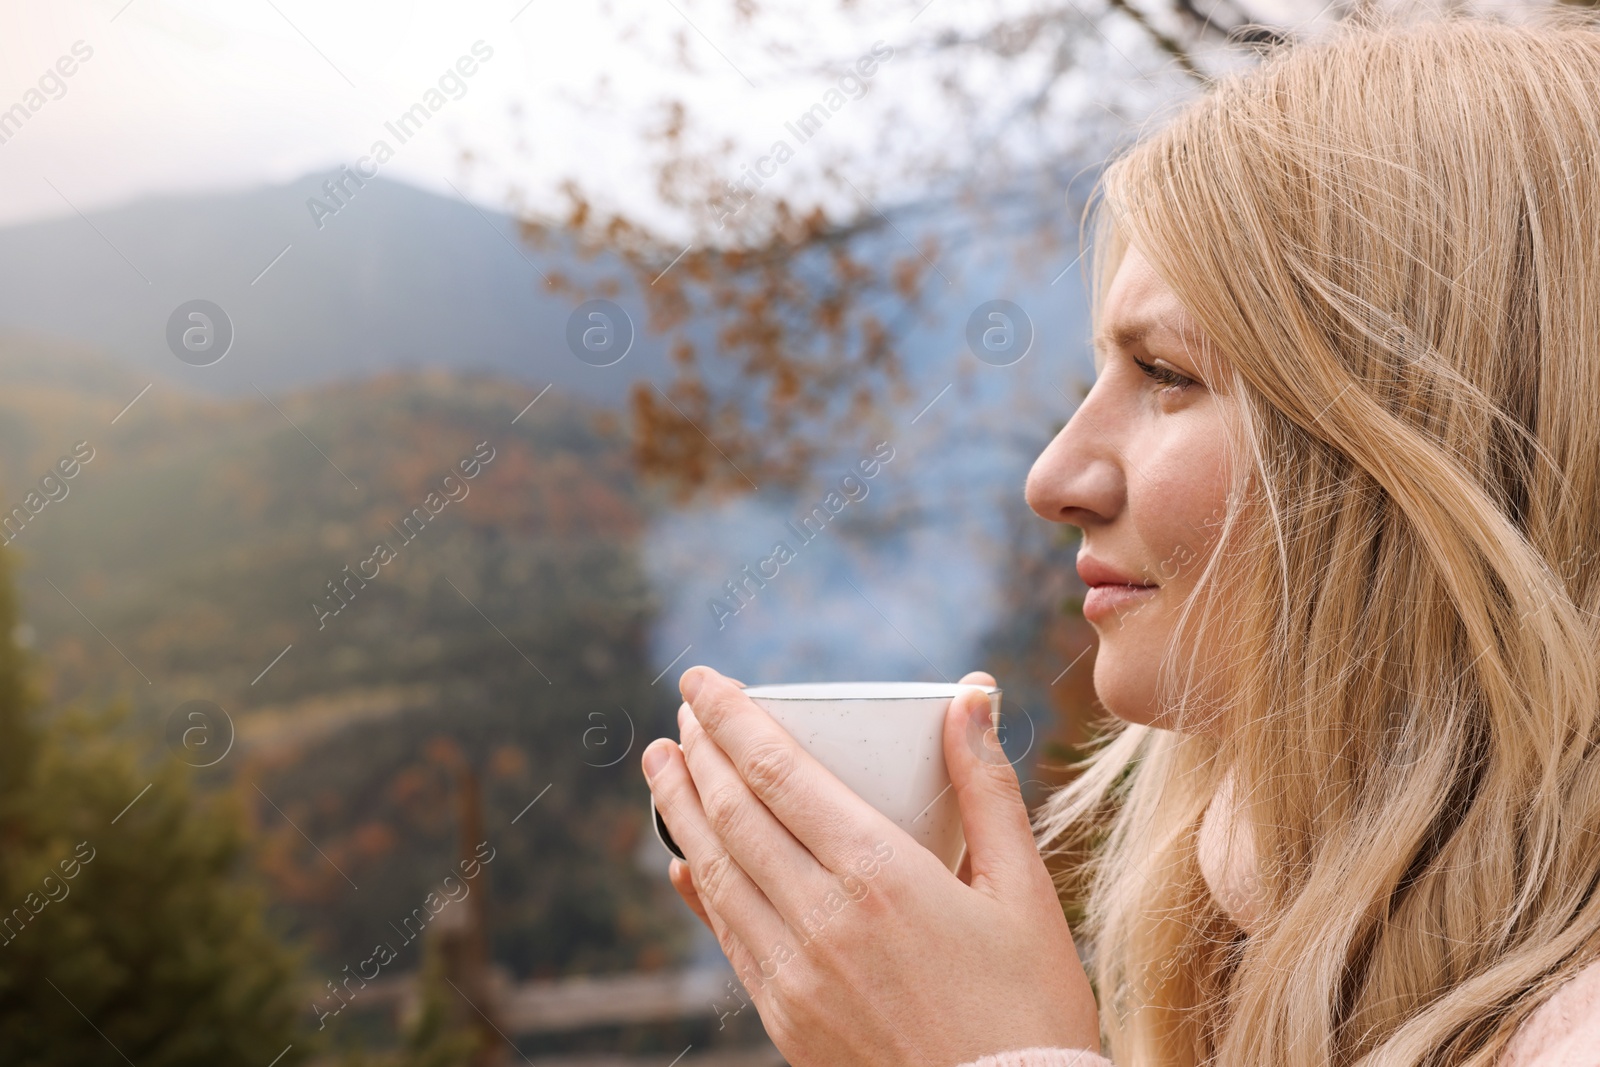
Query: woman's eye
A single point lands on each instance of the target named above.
(1164, 375)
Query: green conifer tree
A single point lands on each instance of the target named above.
(126, 933)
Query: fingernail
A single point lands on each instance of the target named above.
(979, 709)
(691, 682)
(655, 758)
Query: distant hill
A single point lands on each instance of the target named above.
(401, 278)
(183, 562)
(397, 278)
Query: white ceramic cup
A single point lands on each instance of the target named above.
(885, 740)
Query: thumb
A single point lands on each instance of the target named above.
(1000, 841)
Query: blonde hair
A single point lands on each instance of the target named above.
(1393, 235)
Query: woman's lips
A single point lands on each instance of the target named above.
(1103, 601)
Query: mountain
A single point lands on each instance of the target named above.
(396, 278)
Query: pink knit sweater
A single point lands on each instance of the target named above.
(1563, 1032)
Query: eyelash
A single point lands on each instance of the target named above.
(1164, 375)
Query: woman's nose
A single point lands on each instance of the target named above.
(1079, 478)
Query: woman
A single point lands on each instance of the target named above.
(1339, 486)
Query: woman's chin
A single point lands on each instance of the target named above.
(1124, 689)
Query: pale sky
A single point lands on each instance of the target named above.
(183, 95)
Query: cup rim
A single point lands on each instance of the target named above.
(836, 691)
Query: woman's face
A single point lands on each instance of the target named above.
(1141, 468)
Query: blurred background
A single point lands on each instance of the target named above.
(398, 397)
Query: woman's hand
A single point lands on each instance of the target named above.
(857, 945)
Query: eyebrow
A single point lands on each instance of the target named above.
(1125, 336)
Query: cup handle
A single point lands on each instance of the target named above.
(663, 834)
